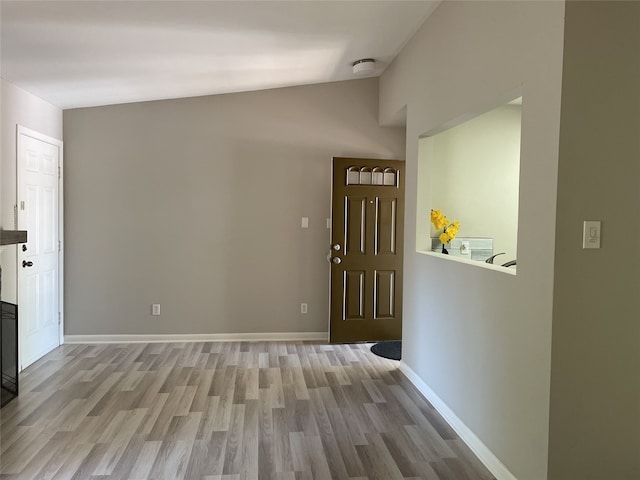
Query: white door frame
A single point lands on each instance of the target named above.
(20, 131)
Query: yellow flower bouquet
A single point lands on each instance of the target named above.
(450, 229)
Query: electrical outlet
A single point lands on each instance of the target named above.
(303, 308)
(155, 309)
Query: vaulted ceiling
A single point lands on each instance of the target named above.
(87, 53)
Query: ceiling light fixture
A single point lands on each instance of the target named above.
(364, 66)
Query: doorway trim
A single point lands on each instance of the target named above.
(24, 131)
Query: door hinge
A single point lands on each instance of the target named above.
(22, 205)
(59, 246)
(59, 172)
(59, 318)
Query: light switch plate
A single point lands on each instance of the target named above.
(305, 222)
(591, 232)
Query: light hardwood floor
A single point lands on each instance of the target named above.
(225, 411)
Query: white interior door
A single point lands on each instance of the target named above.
(38, 260)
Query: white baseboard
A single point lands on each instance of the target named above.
(199, 337)
(486, 456)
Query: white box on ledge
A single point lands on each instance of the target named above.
(472, 248)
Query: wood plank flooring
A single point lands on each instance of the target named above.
(225, 411)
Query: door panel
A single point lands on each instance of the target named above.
(384, 294)
(356, 225)
(386, 227)
(38, 260)
(353, 297)
(366, 268)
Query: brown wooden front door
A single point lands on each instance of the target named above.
(366, 250)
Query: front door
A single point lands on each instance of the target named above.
(366, 250)
(38, 260)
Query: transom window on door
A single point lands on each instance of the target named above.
(387, 177)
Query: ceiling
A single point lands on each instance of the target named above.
(86, 53)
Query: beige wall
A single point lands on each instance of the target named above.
(480, 339)
(196, 204)
(595, 389)
(18, 107)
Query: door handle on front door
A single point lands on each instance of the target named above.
(26, 264)
(336, 246)
(336, 260)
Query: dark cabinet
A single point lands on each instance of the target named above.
(9, 330)
(9, 355)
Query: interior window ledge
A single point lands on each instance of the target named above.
(475, 263)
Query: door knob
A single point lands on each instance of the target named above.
(336, 260)
(26, 264)
(336, 247)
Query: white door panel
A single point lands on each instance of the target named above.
(38, 259)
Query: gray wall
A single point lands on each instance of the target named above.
(595, 388)
(19, 107)
(481, 339)
(196, 204)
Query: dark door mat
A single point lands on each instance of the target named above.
(391, 349)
